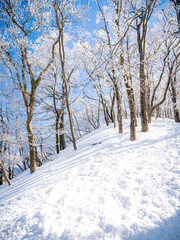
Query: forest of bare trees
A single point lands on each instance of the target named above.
(64, 74)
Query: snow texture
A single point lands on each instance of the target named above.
(110, 189)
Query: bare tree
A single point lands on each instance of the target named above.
(127, 76)
(141, 29)
(24, 75)
(177, 7)
(170, 64)
(61, 9)
(112, 69)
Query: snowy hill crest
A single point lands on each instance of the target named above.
(111, 188)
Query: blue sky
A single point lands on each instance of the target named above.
(92, 13)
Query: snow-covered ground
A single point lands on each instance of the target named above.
(110, 188)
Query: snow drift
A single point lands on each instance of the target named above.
(110, 188)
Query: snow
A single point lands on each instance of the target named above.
(110, 189)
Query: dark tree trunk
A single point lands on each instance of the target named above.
(62, 135)
(118, 100)
(143, 99)
(141, 27)
(174, 100)
(112, 110)
(148, 101)
(131, 100)
(57, 134)
(104, 111)
(32, 151)
(1, 176)
(142, 76)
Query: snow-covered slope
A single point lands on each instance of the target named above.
(110, 188)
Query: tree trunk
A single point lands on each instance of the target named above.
(24, 163)
(104, 111)
(112, 110)
(113, 71)
(1, 177)
(57, 134)
(4, 172)
(118, 100)
(133, 119)
(69, 113)
(132, 108)
(142, 75)
(130, 92)
(149, 100)
(132, 124)
(143, 98)
(170, 74)
(60, 26)
(38, 160)
(32, 150)
(174, 100)
(62, 135)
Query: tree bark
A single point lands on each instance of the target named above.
(62, 135)
(142, 76)
(119, 107)
(31, 140)
(113, 71)
(174, 100)
(69, 111)
(171, 72)
(112, 110)
(141, 28)
(60, 25)
(131, 100)
(58, 149)
(5, 174)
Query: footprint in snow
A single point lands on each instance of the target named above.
(156, 204)
(92, 167)
(144, 193)
(126, 203)
(123, 185)
(139, 180)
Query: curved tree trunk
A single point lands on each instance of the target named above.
(172, 70)
(5, 174)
